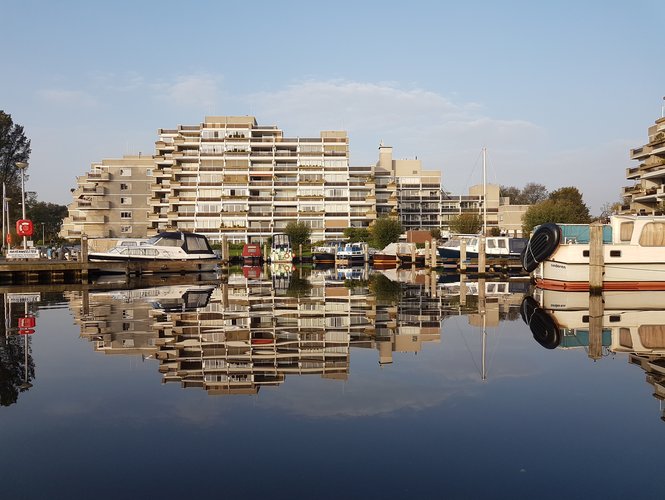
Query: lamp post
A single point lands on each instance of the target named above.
(22, 165)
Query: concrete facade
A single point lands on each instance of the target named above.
(111, 201)
(647, 194)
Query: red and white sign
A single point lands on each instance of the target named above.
(26, 331)
(24, 227)
(26, 322)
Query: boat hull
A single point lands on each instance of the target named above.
(626, 267)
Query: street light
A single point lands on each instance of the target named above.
(22, 165)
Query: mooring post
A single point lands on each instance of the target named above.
(300, 252)
(481, 256)
(413, 254)
(84, 258)
(596, 260)
(462, 255)
(427, 254)
(596, 311)
(462, 289)
(434, 253)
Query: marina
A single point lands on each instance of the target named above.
(418, 354)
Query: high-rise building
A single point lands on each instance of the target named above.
(230, 176)
(647, 195)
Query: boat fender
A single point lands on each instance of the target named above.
(544, 329)
(541, 245)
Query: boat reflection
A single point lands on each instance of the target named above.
(627, 322)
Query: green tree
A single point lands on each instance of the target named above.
(14, 147)
(356, 234)
(298, 233)
(551, 211)
(436, 233)
(466, 224)
(385, 231)
(572, 196)
(50, 215)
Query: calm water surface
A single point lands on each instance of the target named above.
(316, 384)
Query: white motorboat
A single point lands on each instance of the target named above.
(167, 246)
(633, 253)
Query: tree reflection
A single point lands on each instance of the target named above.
(14, 374)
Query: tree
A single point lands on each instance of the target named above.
(466, 224)
(385, 231)
(572, 196)
(50, 215)
(609, 208)
(533, 193)
(14, 147)
(515, 194)
(436, 233)
(356, 234)
(530, 194)
(298, 233)
(552, 211)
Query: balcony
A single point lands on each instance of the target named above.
(640, 153)
(632, 173)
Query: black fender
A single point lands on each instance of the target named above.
(541, 245)
(544, 329)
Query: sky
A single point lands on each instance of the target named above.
(558, 92)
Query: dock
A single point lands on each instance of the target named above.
(44, 271)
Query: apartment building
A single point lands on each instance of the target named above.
(230, 176)
(407, 192)
(647, 194)
(111, 200)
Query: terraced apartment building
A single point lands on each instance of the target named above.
(647, 194)
(231, 177)
(111, 200)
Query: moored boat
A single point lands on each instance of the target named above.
(495, 246)
(325, 254)
(251, 253)
(280, 250)
(166, 246)
(351, 253)
(633, 256)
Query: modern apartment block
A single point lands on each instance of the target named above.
(111, 200)
(230, 176)
(647, 195)
(407, 192)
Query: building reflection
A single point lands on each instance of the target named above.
(631, 323)
(259, 325)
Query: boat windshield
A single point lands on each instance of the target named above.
(160, 241)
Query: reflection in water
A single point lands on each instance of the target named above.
(260, 325)
(632, 323)
(17, 369)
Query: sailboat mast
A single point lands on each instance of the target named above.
(484, 191)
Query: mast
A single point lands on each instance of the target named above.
(484, 191)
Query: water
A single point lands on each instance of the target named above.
(375, 389)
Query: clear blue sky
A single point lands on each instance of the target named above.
(557, 91)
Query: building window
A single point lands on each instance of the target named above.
(148, 172)
(125, 201)
(126, 172)
(125, 229)
(125, 215)
(124, 186)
